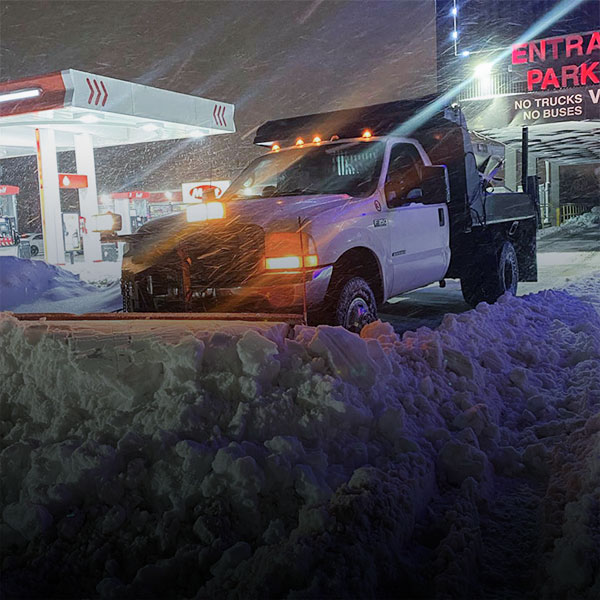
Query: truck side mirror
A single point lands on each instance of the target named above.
(435, 185)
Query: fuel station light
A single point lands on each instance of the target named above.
(367, 134)
(299, 142)
(89, 119)
(454, 11)
(465, 53)
(106, 222)
(20, 95)
(454, 34)
(316, 140)
(275, 148)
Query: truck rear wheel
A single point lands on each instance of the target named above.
(354, 304)
(498, 275)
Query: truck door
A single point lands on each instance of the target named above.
(419, 225)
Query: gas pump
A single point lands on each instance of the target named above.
(9, 235)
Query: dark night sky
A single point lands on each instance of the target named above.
(270, 58)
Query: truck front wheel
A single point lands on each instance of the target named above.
(489, 281)
(354, 304)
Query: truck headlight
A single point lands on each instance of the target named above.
(289, 251)
(106, 222)
(205, 211)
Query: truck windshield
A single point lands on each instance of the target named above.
(345, 168)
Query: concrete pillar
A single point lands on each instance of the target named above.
(531, 164)
(88, 197)
(122, 208)
(554, 195)
(54, 243)
(510, 168)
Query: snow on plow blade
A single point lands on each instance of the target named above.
(253, 317)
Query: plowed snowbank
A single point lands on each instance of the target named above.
(251, 464)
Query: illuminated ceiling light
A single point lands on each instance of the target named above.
(149, 127)
(299, 142)
(20, 95)
(454, 34)
(89, 119)
(275, 148)
(316, 140)
(367, 134)
(465, 53)
(454, 11)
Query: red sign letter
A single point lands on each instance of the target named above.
(587, 71)
(519, 54)
(574, 42)
(594, 42)
(550, 78)
(534, 76)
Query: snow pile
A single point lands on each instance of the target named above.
(36, 286)
(588, 219)
(100, 274)
(458, 462)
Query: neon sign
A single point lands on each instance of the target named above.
(575, 55)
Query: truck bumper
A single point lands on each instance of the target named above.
(265, 292)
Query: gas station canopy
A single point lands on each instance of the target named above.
(73, 110)
(112, 111)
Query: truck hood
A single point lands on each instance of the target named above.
(269, 212)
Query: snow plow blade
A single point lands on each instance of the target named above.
(290, 318)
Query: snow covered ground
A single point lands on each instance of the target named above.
(153, 460)
(268, 462)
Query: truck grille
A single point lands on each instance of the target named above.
(218, 257)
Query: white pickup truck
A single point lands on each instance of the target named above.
(348, 215)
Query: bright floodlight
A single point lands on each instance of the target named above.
(483, 70)
(465, 53)
(19, 95)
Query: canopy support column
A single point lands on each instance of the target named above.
(52, 228)
(88, 197)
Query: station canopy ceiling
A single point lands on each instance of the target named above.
(567, 143)
(112, 111)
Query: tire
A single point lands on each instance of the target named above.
(353, 304)
(34, 250)
(493, 278)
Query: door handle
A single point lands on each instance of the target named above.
(441, 217)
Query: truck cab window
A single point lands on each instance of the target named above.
(405, 170)
(351, 168)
